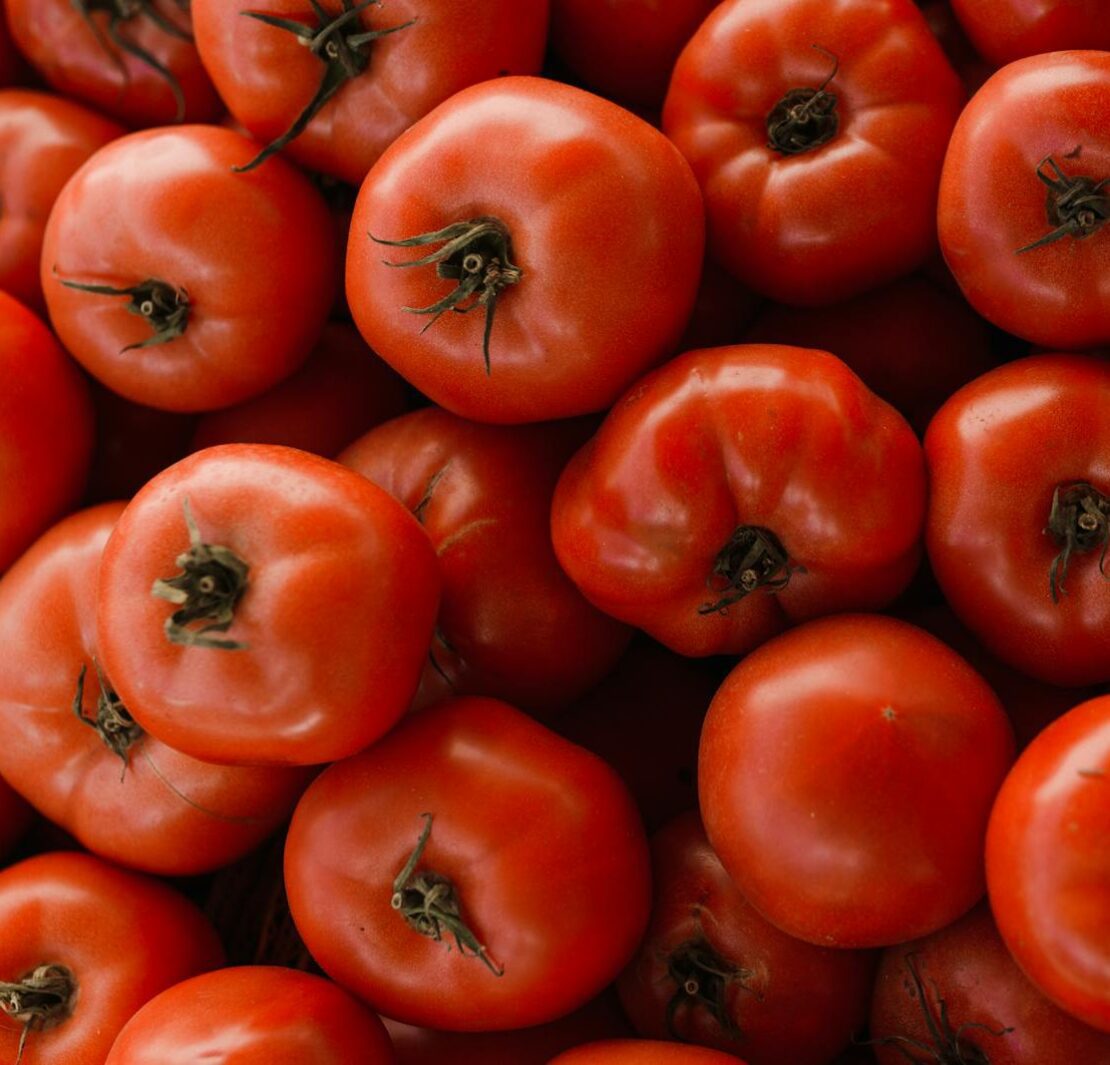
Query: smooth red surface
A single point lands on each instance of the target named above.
(1005, 30)
(643, 1052)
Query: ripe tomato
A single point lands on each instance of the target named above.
(642, 1052)
(336, 82)
(1048, 862)
(253, 1015)
(82, 946)
(325, 587)
(215, 313)
(820, 165)
(729, 494)
(846, 773)
(1023, 199)
(553, 237)
(1019, 514)
(516, 907)
(1005, 30)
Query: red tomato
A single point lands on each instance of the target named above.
(1048, 862)
(729, 494)
(473, 852)
(1022, 200)
(217, 284)
(820, 165)
(253, 1015)
(82, 946)
(846, 773)
(642, 1052)
(712, 971)
(46, 430)
(325, 587)
(1019, 514)
(1005, 30)
(359, 74)
(587, 296)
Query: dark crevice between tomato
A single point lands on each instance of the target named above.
(702, 979)
(805, 118)
(429, 904)
(1079, 522)
(121, 12)
(1076, 206)
(477, 254)
(441, 639)
(207, 590)
(113, 723)
(163, 305)
(753, 558)
(40, 1000)
(340, 43)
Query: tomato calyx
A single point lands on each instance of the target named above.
(41, 999)
(112, 723)
(211, 582)
(430, 905)
(477, 254)
(753, 558)
(163, 305)
(1076, 206)
(702, 978)
(1079, 522)
(805, 118)
(340, 43)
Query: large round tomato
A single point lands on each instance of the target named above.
(817, 133)
(575, 221)
(1005, 30)
(642, 1052)
(262, 605)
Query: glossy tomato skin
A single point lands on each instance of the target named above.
(449, 47)
(783, 999)
(1048, 862)
(1005, 30)
(824, 224)
(602, 296)
(511, 623)
(254, 253)
(550, 869)
(123, 937)
(253, 1015)
(997, 452)
(816, 754)
(642, 1052)
(993, 204)
(337, 614)
(752, 436)
(46, 429)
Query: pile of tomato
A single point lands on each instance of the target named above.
(554, 531)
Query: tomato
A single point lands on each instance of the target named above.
(511, 624)
(552, 237)
(1048, 862)
(846, 773)
(642, 1052)
(712, 971)
(1019, 514)
(291, 611)
(336, 82)
(133, 60)
(46, 430)
(82, 946)
(1005, 30)
(958, 995)
(253, 1015)
(181, 284)
(820, 165)
(1022, 200)
(471, 871)
(728, 494)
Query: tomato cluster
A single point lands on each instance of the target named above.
(553, 532)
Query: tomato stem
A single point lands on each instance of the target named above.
(165, 307)
(702, 979)
(753, 558)
(429, 904)
(1076, 206)
(42, 999)
(112, 723)
(1078, 522)
(804, 118)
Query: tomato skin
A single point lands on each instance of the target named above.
(1005, 30)
(46, 429)
(828, 223)
(124, 937)
(551, 869)
(815, 755)
(325, 671)
(574, 179)
(253, 1015)
(175, 211)
(992, 203)
(642, 1052)
(1048, 862)
(753, 435)
(997, 451)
